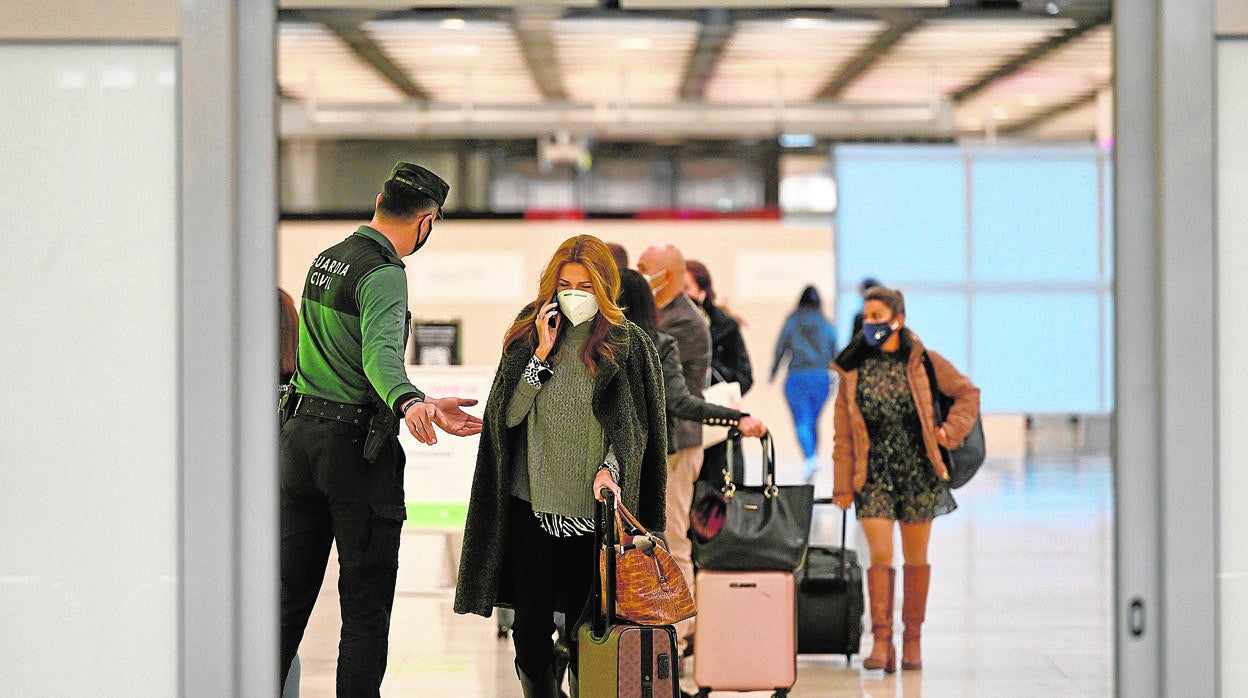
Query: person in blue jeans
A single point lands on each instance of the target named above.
(808, 339)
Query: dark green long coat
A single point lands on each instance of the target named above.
(628, 401)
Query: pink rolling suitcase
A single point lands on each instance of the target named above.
(746, 638)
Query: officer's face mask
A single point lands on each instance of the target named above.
(876, 333)
(577, 306)
(420, 242)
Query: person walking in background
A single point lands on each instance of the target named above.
(808, 339)
(576, 405)
(340, 458)
(887, 461)
(730, 361)
(664, 269)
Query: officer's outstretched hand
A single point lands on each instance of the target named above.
(447, 413)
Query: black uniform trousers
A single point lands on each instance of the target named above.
(547, 574)
(329, 493)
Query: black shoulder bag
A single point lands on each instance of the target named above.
(963, 461)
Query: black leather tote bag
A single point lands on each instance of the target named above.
(749, 528)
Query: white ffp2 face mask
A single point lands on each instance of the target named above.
(577, 306)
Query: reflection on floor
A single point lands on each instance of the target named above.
(1022, 582)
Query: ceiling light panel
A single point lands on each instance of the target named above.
(1071, 70)
(624, 61)
(464, 61)
(313, 63)
(942, 56)
(786, 60)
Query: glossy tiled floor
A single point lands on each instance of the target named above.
(1022, 583)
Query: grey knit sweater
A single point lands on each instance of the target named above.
(564, 442)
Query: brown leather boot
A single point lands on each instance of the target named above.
(880, 590)
(914, 583)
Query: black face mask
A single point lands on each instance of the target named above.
(426, 239)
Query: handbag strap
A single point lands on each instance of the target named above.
(934, 386)
(769, 463)
(624, 516)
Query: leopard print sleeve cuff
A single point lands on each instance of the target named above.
(537, 372)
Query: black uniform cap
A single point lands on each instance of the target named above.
(421, 180)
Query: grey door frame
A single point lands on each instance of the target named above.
(1165, 440)
(229, 520)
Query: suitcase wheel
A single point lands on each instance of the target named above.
(704, 693)
(780, 693)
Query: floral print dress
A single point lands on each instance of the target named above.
(901, 483)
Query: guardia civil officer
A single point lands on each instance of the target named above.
(341, 462)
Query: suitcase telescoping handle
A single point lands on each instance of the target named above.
(844, 527)
(603, 595)
(844, 555)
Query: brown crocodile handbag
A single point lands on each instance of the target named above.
(649, 588)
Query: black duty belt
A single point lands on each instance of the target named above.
(338, 411)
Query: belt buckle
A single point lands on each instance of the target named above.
(299, 403)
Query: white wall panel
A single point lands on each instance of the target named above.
(89, 297)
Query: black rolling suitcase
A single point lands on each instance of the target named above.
(829, 599)
(618, 658)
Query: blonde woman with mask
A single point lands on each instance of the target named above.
(577, 405)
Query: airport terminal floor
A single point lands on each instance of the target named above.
(1022, 585)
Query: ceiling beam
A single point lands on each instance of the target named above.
(347, 27)
(678, 120)
(717, 27)
(1025, 59)
(1045, 115)
(531, 25)
(899, 25)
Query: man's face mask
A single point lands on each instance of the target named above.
(577, 306)
(656, 280)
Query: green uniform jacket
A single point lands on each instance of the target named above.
(353, 324)
(628, 401)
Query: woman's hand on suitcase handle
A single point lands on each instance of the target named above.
(603, 480)
(844, 500)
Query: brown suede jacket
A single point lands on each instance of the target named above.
(850, 443)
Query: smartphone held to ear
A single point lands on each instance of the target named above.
(554, 317)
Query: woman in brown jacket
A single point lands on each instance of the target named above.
(887, 460)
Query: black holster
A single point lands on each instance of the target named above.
(285, 402)
(381, 426)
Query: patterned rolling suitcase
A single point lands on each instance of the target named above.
(747, 634)
(617, 658)
(829, 600)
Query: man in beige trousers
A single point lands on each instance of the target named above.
(664, 267)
